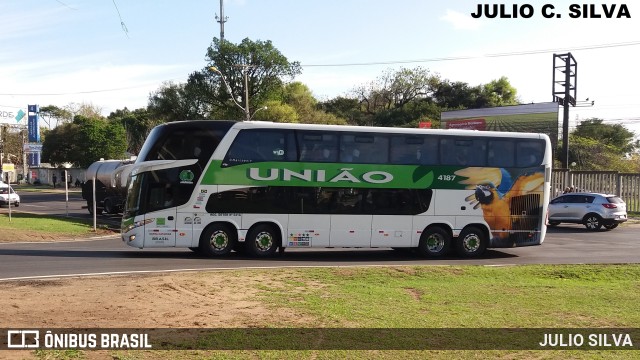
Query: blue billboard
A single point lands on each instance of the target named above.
(34, 123)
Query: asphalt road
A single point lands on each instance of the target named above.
(57, 203)
(567, 244)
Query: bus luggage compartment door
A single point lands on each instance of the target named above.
(160, 231)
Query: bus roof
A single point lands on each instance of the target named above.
(385, 130)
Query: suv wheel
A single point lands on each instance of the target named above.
(592, 222)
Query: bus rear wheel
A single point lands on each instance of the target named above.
(217, 240)
(262, 241)
(471, 242)
(434, 242)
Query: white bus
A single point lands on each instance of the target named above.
(256, 187)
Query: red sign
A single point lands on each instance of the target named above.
(469, 124)
(424, 125)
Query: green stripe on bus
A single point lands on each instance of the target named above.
(334, 175)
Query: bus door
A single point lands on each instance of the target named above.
(162, 194)
(160, 225)
(350, 220)
(392, 221)
(309, 219)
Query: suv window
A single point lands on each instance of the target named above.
(615, 200)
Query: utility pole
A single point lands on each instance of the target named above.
(565, 85)
(222, 19)
(245, 72)
(3, 137)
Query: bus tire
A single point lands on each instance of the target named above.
(217, 240)
(263, 241)
(471, 242)
(434, 242)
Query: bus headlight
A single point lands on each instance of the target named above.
(136, 224)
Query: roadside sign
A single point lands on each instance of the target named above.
(8, 168)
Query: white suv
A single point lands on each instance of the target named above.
(7, 195)
(591, 209)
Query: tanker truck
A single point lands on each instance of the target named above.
(111, 185)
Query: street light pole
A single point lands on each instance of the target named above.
(224, 80)
(255, 112)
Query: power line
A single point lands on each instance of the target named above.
(124, 27)
(70, 7)
(520, 53)
(77, 92)
(451, 58)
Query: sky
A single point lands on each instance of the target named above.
(114, 53)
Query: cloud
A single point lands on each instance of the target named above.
(461, 21)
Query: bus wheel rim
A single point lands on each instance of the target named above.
(435, 243)
(219, 240)
(471, 243)
(264, 241)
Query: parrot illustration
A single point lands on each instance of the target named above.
(494, 190)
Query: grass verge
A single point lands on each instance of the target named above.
(33, 227)
(536, 296)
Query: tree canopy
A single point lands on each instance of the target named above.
(594, 145)
(84, 141)
(617, 136)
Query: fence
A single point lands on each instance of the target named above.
(626, 185)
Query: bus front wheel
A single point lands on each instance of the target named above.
(217, 240)
(262, 241)
(471, 242)
(434, 242)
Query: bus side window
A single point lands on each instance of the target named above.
(501, 153)
(261, 145)
(529, 153)
(463, 151)
(318, 146)
(406, 150)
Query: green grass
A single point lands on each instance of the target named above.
(535, 296)
(45, 225)
(42, 188)
(465, 296)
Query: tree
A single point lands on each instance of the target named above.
(137, 124)
(84, 141)
(460, 95)
(617, 136)
(52, 113)
(265, 68)
(345, 108)
(590, 154)
(171, 102)
(498, 93)
(205, 95)
(393, 90)
(298, 96)
(276, 111)
(11, 144)
(60, 144)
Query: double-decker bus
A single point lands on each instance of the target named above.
(260, 187)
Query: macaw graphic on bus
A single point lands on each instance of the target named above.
(511, 205)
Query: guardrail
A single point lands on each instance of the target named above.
(625, 185)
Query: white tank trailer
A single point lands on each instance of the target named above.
(111, 185)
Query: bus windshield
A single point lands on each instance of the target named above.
(160, 189)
